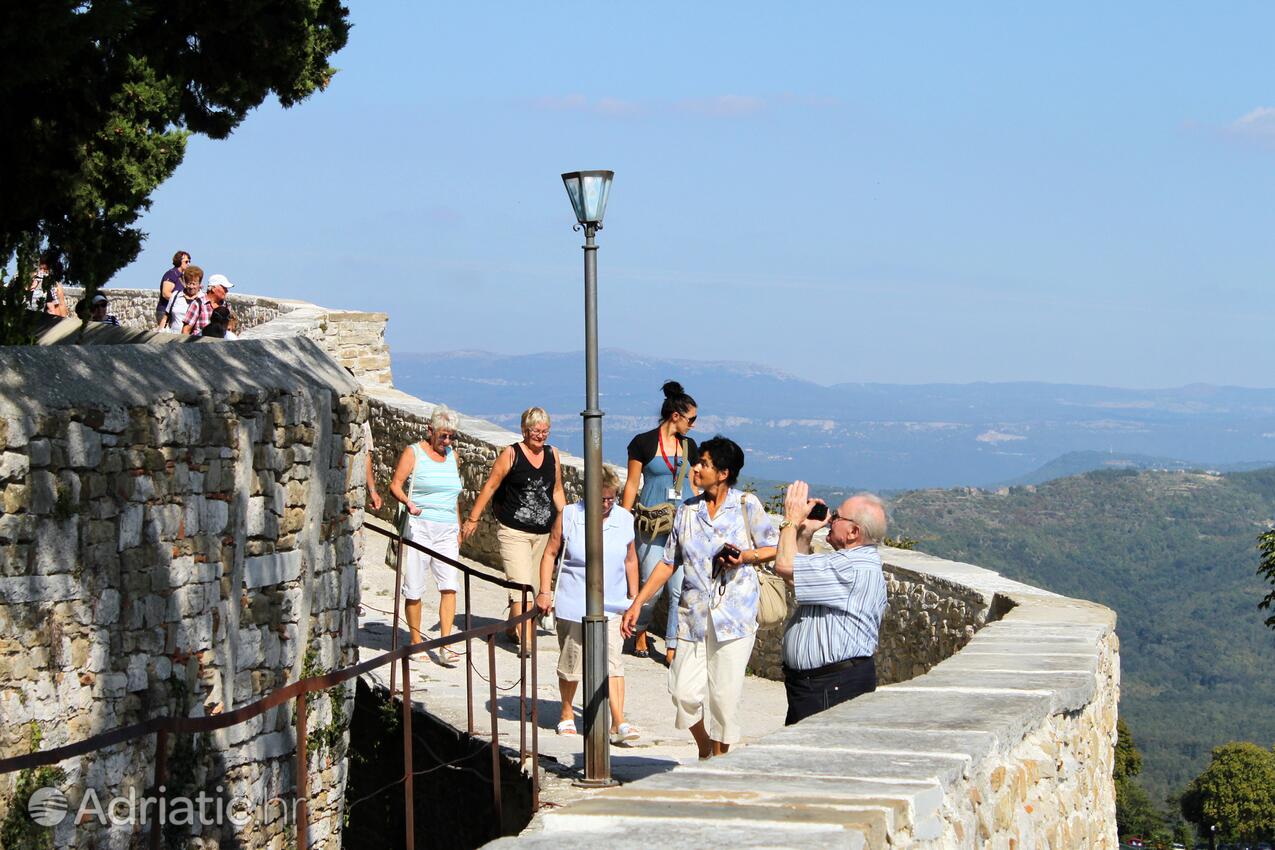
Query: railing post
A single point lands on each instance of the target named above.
(408, 796)
(303, 777)
(535, 729)
(469, 664)
(495, 737)
(161, 777)
(397, 542)
(522, 688)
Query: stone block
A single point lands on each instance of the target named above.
(14, 466)
(130, 526)
(270, 569)
(83, 446)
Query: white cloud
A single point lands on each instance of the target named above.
(722, 106)
(1256, 124)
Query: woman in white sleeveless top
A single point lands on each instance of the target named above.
(432, 479)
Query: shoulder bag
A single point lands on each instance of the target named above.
(772, 601)
(655, 520)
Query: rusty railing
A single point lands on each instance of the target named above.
(164, 727)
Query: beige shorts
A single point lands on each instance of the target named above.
(520, 553)
(571, 649)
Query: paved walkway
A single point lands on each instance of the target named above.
(441, 690)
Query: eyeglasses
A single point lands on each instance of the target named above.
(606, 499)
(538, 432)
(834, 516)
(444, 435)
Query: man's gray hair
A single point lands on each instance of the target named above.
(871, 522)
(443, 418)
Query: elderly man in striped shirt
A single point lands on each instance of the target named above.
(829, 641)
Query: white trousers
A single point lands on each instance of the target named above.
(706, 681)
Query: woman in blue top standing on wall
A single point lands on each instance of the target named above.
(659, 459)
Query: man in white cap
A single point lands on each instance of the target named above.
(200, 311)
(97, 311)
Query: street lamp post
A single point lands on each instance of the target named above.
(588, 191)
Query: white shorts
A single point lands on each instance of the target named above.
(442, 538)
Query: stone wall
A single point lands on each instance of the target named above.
(355, 340)
(179, 541)
(1008, 743)
(927, 619)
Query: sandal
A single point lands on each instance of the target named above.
(448, 657)
(640, 649)
(567, 727)
(626, 733)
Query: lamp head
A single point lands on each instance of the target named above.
(588, 191)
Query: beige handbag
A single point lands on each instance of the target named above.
(653, 521)
(772, 601)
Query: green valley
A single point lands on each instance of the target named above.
(1174, 553)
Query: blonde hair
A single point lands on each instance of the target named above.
(610, 481)
(534, 416)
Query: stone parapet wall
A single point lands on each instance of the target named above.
(179, 537)
(354, 339)
(1007, 743)
(927, 619)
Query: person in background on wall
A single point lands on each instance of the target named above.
(53, 300)
(219, 324)
(432, 501)
(172, 281)
(660, 459)
(199, 314)
(620, 584)
(525, 487)
(718, 537)
(173, 319)
(97, 312)
(829, 641)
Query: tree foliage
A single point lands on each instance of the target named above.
(98, 97)
(1236, 792)
(1266, 569)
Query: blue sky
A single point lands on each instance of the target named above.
(987, 192)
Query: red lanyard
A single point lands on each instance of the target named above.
(671, 467)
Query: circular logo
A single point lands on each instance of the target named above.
(47, 806)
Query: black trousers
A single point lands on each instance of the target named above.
(812, 691)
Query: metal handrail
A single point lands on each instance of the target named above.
(162, 727)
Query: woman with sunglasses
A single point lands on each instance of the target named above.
(660, 459)
(432, 501)
(718, 537)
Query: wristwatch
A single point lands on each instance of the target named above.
(784, 524)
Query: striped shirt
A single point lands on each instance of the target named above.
(840, 600)
(435, 485)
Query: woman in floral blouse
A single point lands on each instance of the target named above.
(717, 616)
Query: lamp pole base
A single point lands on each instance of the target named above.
(596, 783)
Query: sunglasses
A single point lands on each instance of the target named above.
(834, 516)
(446, 436)
(690, 420)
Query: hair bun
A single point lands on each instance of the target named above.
(672, 389)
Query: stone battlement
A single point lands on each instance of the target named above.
(995, 726)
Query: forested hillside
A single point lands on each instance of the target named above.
(1174, 554)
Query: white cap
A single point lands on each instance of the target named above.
(220, 280)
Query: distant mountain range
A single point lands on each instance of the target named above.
(878, 436)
